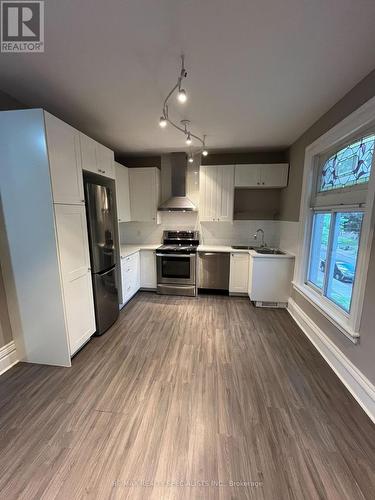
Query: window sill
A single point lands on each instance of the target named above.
(340, 322)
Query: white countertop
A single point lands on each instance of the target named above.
(219, 248)
(253, 253)
(126, 250)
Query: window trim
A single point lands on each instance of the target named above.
(351, 127)
(322, 293)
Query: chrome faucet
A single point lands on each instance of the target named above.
(262, 244)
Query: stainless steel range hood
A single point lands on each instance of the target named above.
(174, 172)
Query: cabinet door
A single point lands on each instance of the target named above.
(64, 161)
(274, 175)
(122, 193)
(137, 272)
(239, 273)
(105, 161)
(225, 192)
(247, 176)
(130, 276)
(148, 269)
(88, 154)
(126, 280)
(143, 194)
(208, 204)
(76, 274)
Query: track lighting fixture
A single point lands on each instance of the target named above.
(163, 122)
(181, 96)
(185, 124)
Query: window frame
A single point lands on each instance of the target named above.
(351, 194)
(323, 292)
(360, 122)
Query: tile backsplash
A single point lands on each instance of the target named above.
(212, 233)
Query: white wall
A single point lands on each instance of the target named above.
(212, 233)
(289, 236)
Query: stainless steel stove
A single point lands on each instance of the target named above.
(176, 263)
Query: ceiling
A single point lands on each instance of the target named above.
(260, 72)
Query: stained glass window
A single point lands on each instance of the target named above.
(349, 166)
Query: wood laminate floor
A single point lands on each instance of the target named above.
(206, 398)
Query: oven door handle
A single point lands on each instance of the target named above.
(179, 256)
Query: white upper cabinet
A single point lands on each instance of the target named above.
(273, 175)
(122, 193)
(239, 273)
(225, 192)
(216, 191)
(96, 157)
(144, 188)
(105, 159)
(247, 176)
(88, 153)
(65, 161)
(74, 257)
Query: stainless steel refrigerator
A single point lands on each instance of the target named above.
(101, 224)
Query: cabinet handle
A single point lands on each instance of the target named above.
(119, 220)
(262, 183)
(89, 268)
(258, 183)
(83, 201)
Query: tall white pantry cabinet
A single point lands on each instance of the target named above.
(44, 239)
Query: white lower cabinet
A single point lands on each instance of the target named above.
(130, 276)
(74, 256)
(148, 269)
(270, 280)
(239, 273)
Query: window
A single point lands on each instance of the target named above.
(336, 229)
(349, 166)
(337, 208)
(319, 247)
(333, 258)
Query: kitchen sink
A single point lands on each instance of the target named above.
(269, 251)
(242, 247)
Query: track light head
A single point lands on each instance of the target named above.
(190, 159)
(181, 96)
(162, 122)
(188, 139)
(205, 152)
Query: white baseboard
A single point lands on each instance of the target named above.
(354, 380)
(8, 357)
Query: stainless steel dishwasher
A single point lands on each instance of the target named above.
(214, 270)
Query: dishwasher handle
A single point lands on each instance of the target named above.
(212, 253)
